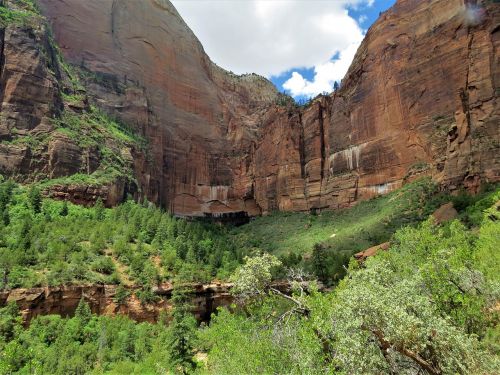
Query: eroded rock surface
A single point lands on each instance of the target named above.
(419, 99)
(204, 299)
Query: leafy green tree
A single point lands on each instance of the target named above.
(384, 324)
(254, 277)
(10, 322)
(121, 295)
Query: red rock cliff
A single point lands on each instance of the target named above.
(420, 97)
(203, 298)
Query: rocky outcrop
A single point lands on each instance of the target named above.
(46, 132)
(419, 99)
(371, 251)
(445, 213)
(85, 194)
(204, 299)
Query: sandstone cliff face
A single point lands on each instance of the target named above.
(33, 147)
(419, 98)
(154, 74)
(204, 299)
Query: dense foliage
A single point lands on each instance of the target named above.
(86, 344)
(322, 243)
(46, 242)
(428, 305)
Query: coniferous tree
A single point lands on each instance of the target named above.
(100, 212)
(24, 239)
(83, 311)
(6, 189)
(35, 199)
(64, 209)
(182, 332)
(319, 262)
(6, 216)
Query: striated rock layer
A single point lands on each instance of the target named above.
(204, 299)
(420, 98)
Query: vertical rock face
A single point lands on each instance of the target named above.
(420, 98)
(29, 96)
(152, 72)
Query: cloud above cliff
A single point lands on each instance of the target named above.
(279, 38)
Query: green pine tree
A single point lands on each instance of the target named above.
(64, 209)
(319, 262)
(100, 211)
(83, 311)
(35, 199)
(182, 332)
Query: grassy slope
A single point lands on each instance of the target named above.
(366, 224)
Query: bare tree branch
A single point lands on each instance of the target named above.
(385, 345)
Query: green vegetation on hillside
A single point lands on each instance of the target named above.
(111, 140)
(429, 305)
(329, 239)
(93, 130)
(85, 344)
(109, 143)
(19, 13)
(46, 242)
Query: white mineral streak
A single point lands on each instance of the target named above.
(383, 188)
(215, 193)
(351, 155)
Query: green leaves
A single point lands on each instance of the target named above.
(46, 243)
(254, 276)
(427, 305)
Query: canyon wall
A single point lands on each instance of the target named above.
(420, 98)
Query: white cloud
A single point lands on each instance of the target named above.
(270, 37)
(325, 75)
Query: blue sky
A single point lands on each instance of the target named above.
(365, 16)
(302, 46)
